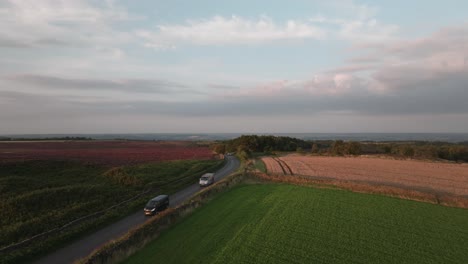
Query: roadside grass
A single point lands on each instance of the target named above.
(280, 223)
(37, 196)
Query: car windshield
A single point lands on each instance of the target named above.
(205, 178)
(151, 204)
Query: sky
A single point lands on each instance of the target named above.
(153, 66)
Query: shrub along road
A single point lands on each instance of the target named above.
(86, 245)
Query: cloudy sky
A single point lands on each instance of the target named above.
(78, 66)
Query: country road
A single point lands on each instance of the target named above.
(86, 245)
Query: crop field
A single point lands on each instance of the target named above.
(435, 177)
(279, 223)
(37, 196)
(103, 152)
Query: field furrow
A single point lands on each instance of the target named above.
(285, 166)
(273, 167)
(430, 176)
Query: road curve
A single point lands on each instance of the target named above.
(86, 245)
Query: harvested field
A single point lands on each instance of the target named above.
(103, 152)
(273, 166)
(419, 175)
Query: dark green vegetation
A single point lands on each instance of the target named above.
(417, 149)
(246, 145)
(275, 223)
(254, 143)
(37, 196)
(259, 165)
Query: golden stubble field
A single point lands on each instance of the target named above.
(438, 177)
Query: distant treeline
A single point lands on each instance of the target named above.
(44, 139)
(248, 144)
(416, 149)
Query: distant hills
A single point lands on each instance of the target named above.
(445, 137)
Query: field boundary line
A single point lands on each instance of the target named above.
(444, 199)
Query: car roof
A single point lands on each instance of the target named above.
(160, 197)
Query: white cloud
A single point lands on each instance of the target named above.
(90, 73)
(367, 30)
(220, 30)
(38, 23)
(415, 76)
(351, 22)
(358, 24)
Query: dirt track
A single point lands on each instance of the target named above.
(435, 177)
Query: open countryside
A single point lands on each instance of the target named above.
(47, 185)
(111, 152)
(259, 131)
(278, 223)
(439, 177)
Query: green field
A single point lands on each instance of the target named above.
(277, 223)
(37, 196)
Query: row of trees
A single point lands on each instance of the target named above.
(254, 143)
(427, 150)
(339, 147)
(452, 152)
(245, 145)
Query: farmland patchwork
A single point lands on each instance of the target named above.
(438, 177)
(103, 152)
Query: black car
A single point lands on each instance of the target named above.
(157, 204)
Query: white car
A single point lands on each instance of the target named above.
(207, 179)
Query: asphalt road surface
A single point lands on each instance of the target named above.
(86, 245)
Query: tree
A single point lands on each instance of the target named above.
(299, 150)
(256, 143)
(315, 148)
(267, 149)
(407, 151)
(219, 148)
(337, 147)
(387, 149)
(353, 148)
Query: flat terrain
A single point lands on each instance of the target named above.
(103, 152)
(40, 195)
(436, 177)
(86, 245)
(278, 223)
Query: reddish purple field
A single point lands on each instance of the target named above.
(103, 152)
